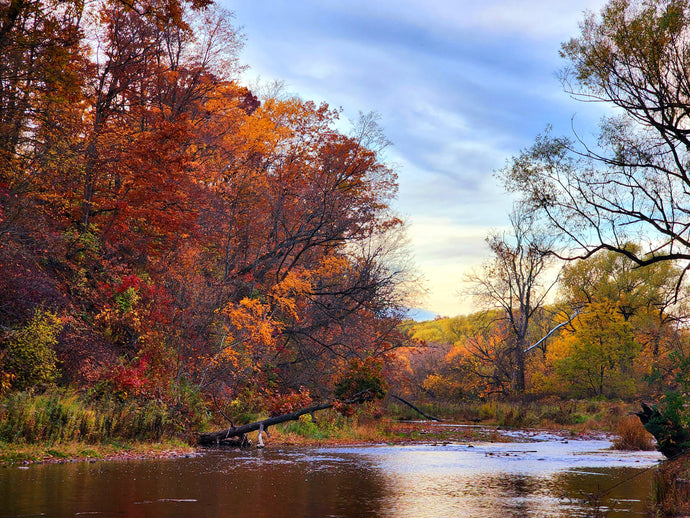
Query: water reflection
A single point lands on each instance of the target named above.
(398, 481)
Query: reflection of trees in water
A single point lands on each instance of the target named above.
(224, 484)
(304, 486)
(588, 492)
(617, 489)
(518, 485)
(309, 484)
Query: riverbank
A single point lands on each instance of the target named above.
(61, 427)
(301, 433)
(25, 454)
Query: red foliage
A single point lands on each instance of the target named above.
(131, 379)
(284, 403)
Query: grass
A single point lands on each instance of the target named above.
(671, 488)
(65, 424)
(330, 427)
(368, 425)
(547, 413)
(26, 453)
(62, 416)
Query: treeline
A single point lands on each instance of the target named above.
(620, 332)
(166, 231)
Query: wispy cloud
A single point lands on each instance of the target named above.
(460, 87)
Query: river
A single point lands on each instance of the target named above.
(542, 476)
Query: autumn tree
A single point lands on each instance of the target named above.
(182, 231)
(646, 297)
(596, 358)
(310, 247)
(515, 280)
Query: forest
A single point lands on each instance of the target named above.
(167, 234)
(173, 239)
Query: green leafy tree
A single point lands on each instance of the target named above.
(643, 296)
(595, 359)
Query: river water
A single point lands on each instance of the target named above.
(542, 477)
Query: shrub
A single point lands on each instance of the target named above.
(670, 488)
(30, 360)
(631, 435)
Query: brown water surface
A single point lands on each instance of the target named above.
(543, 477)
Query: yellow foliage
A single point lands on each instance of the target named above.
(286, 293)
(251, 319)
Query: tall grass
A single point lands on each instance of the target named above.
(332, 427)
(545, 413)
(671, 488)
(59, 416)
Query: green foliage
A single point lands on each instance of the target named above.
(30, 358)
(671, 425)
(362, 375)
(126, 300)
(597, 356)
(60, 416)
(305, 426)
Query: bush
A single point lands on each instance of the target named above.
(29, 359)
(631, 435)
(670, 488)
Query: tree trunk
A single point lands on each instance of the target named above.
(518, 377)
(430, 417)
(217, 438)
(227, 436)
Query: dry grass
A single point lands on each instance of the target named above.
(671, 488)
(631, 435)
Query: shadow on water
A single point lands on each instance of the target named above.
(539, 479)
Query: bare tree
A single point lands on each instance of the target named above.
(633, 184)
(516, 281)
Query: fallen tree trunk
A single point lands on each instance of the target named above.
(430, 417)
(228, 435)
(216, 438)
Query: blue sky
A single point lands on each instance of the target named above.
(460, 86)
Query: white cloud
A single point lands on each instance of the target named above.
(534, 19)
(460, 85)
(445, 253)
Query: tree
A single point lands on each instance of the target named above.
(608, 276)
(646, 297)
(512, 281)
(183, 231)
(633, 184)
(596, 358)
(29, 355)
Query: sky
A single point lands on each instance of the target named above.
(460, 87)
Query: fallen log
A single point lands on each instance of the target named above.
(228, 435)
(430, 417)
